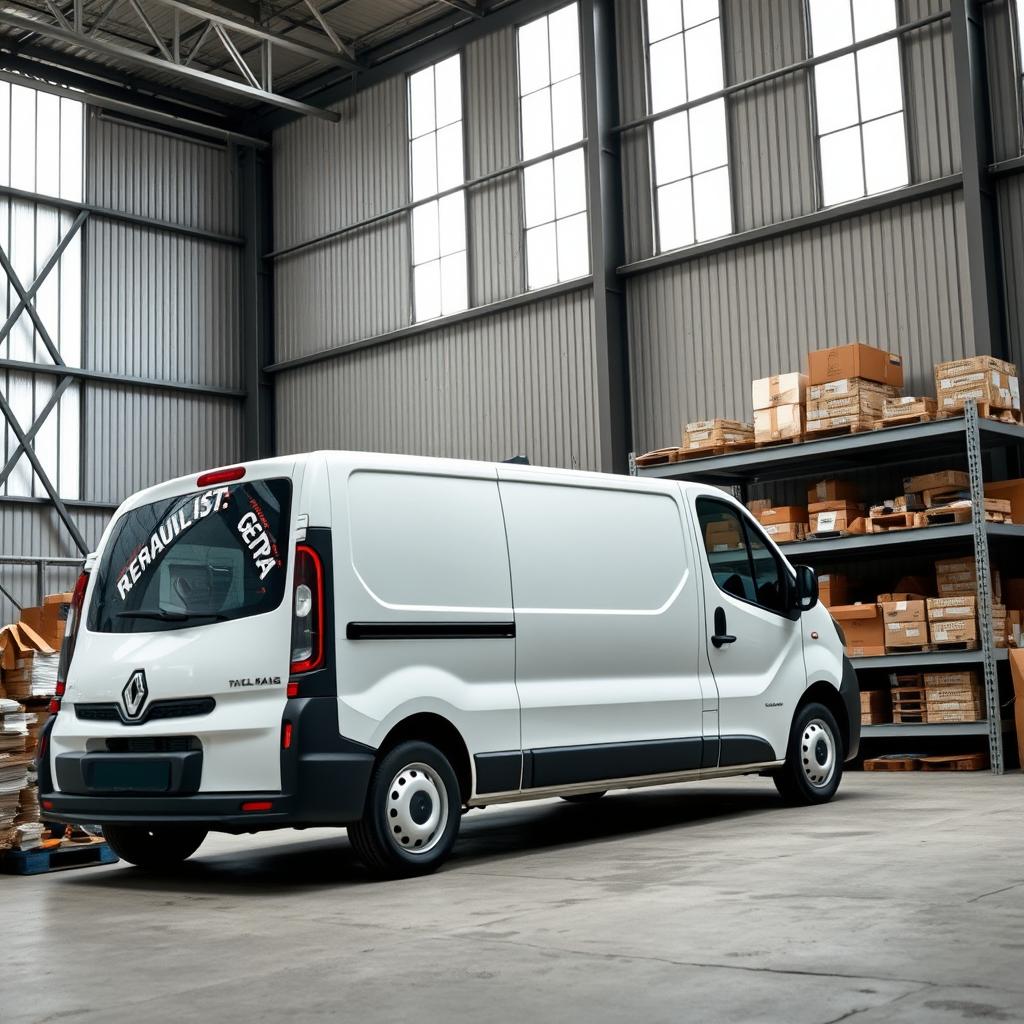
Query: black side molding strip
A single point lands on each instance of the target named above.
(430, 630)
(739, 750)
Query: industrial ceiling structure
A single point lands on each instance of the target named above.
(220, 67)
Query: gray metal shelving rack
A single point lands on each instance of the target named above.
(968, 436)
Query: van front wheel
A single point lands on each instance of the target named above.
(157, 849)
(814, 761)
(412, 812)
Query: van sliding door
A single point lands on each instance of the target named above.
(606, 609)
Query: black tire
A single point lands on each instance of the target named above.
(584, 798)
(156, 848)
(814, 760)
(430, 816)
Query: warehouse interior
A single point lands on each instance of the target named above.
(581, 235)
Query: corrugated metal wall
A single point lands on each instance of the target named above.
(156, 305)
(521, 381)
(700, 330)
(518, 382)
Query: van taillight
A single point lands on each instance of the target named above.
(67, 649)
(307, 611)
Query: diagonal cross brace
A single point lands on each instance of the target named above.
(26, 301)
(28, 296)
(44, 479)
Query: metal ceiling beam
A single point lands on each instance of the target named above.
(131, 108)
(465, 6)
(341, 59)
(107, 48)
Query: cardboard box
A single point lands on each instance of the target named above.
(900, 595)
(983, 378)
(783, 514)
(786, 533)
(943, 609)
(836, 506)
(782, 389)
(952, 681)
(864, 629)
(897, 408)
(832, 490)
(849, 394)
(856, 360)
(954, 631)
(833, 589)
(903, 610)
(48, 621)
(840, 519)
(715, 433)
(1011, 491)
(759, 505)
(779, 423)
(905, 634)
(722, 536)
(953, 479)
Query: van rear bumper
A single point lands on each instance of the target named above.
(324, 778)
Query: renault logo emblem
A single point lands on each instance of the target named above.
(134, 694)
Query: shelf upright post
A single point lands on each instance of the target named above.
(982, 567)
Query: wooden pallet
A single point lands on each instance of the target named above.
(659, 457)
(892, 521)
(846, 428)
(955, 645)
(684, 454)
(955, 762)
(909, 703)
(986, 412)
(902, 421)
(947, 516)
(61, 858)
(909, 648)
(781, 441)
(893, 763)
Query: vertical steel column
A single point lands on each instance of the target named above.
(981, 562)
(984, 261)
(607, 248)
(257, 302)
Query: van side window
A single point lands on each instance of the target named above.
(741, 563)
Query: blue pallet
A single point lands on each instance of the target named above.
(38, 862)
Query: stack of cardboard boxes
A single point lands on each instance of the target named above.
(848, 386)
(954, 696)
(784, 523)
(29, 651)
(906, 621)
(832, 507)
(779, 408)
(710, 435)
(991, 382)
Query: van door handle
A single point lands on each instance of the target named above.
(721, 637)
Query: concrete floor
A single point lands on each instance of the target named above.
(903, 900)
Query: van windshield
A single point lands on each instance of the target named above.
(193, 559)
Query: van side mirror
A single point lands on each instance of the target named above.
(806, 588)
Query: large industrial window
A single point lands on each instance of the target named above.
(551, 118)
(862, 142)
(437, 167)
(41, 152)
(691, 152)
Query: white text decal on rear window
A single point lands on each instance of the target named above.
(173, 526)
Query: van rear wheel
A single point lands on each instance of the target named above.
(814, 761)
(156, 848)
(413, 809)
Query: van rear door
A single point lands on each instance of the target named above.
(187, 630)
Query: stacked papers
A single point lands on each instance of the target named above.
(29, 836)
(44, 675)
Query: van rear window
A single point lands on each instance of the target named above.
(193, 559)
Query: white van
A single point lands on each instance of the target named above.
(383, 642)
